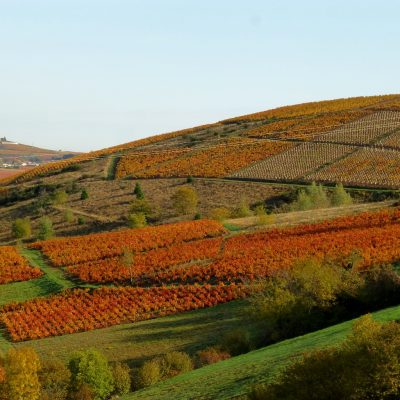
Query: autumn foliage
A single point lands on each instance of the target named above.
(82, 310)
(14, 268)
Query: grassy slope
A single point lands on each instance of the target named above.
(139, 341)
(52, 281)
(233, 377)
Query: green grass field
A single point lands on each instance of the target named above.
(139, 341)
(234, 377)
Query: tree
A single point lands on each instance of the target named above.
(148, 374)
(21, 228)
(128, 260)
(220, 213)
(175, 363)
(138, 192)
(243, 209)
(90, 367)
(340, 197)
(122, 378)
(365, 366)
(46, 230)
(141, 206)
(22, 368)
(60, 197)
(54, 379)
(137, 220)
(262, 217)
(303, 202)
(185, 200)
(318, 196)
(84, 194)
(68, 216)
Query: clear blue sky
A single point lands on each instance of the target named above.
(87, 74)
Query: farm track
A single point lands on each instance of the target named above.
(95, 217)
(311, 216)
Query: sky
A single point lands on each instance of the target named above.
(87, 74)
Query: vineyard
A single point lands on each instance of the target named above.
(296, 162)
(364, 131)
(184, 272)
(368, 166)
(215, 161)
(82, 310)
(329, 106)
(70, 251)
(305, 128)
(14, 268)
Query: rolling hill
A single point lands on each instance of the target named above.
(77, 269)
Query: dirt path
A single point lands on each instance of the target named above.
(95, 217)
(301, 217)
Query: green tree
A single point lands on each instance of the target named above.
(138, 192)
(68, 216)
(21, 228)
(340, 197)
(185, 200)
(141, 206)
(46, 230)
(91, 367)
(137, 220)
(318, 196)
(84, 194)
(303, 202)
(22, 368)
(60, 197)
(54, 380)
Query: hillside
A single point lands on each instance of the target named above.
(233, 378)
(265, 156)
(214, 239)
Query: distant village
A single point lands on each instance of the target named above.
(21, 161)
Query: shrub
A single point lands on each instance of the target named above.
(220, 214)
(262, 217)
(236, 342)
(122, 378)
(84, 194)
(60, 197)
(175, 363)
(185, 200)
(138, 192)
(197, 216)
(189, 179)
(90, 367)
(21, 228)
(46, 230)
(243, 209)
(22, 367)
(81, 221)
(211, 355)
(68, 216)
(148, 374)
(141, 206)
(54, 379)
(340, 197)
(365, 366)
(84, 392)
(137, 220)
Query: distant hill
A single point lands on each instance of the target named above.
(16, 157)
